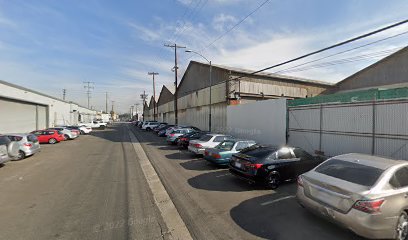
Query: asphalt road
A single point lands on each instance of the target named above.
(88, 188)
(217, 205)
(93, 188)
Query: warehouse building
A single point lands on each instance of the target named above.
(389, 72)
(25, 110)
(165, 104)
(193, 93)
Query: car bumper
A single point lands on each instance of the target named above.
(243, 176)
(217, 161)
(29, 152)
(373, 226)
(4, 159)
(199, 151)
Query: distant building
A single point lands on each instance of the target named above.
(194, 88)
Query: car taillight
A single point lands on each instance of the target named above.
(300, 181)
(369, 206)
(254, 166)
(172, 135)
(197, 145)
(217, 156)
(183, 139)
(27, 144)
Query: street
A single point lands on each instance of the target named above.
(94, 188)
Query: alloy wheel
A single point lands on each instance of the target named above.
(21, 155)
(52, 141)
(273, 181)
(402, 227)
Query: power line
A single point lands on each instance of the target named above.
(330, 47)
(338, 53)
(88, 88)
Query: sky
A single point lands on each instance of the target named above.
(53, 45)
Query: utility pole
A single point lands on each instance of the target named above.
(154, 95)
(113, 102)
(106, 102)
(137, 107)
(131, 112)
(88, 86)
(143, 96)
(64, 91)
(175, 78)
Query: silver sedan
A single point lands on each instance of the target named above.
(366, 194)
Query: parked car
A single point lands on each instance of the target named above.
(160, 127)
(173, 136)
(184, 140)
(49, 136)
(364, 193)
(169, 130)
(206, 141)
(163, 130)
(82, 129)
(68, 134)
(222, 153)
(8, 149)
(95, 125)
(148, 126)
(271, 165)
(28, 144)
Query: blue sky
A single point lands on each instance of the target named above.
(49, 45)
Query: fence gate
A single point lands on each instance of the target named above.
(373, 127)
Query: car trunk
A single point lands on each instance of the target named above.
(333, 192)
(244, 163)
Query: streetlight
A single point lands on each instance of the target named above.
(191, 51)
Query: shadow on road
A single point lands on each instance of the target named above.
(197, 165)
(278, 216)
(222, 181)
(179, 156)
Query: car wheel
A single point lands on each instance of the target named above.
(82, 132)
(21, 155)
(52, 141)
(148, 129)
(402, 227)
(272, 181)
(66, 136)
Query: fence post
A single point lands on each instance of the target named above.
(373, 130)
(321, 128)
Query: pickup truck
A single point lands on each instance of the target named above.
(95, 124)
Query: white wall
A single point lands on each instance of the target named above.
(59, 112)
(262, 121)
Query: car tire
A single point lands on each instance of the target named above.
(148, 129)
(402, 227)
(66, 136)
(82, 132)
(52, 141)
(21, 155)
(273, 180)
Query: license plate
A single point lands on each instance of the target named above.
(238, 165)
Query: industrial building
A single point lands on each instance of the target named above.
(25, 110)
(230, 86)
(389, 72)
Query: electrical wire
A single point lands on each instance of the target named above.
(330, 47)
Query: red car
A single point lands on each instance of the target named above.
(49, 136)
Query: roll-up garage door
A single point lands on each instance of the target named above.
(41, 117)
(21, 117)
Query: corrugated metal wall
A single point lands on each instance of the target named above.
(379, 128)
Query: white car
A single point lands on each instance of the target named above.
(94, 124)
(150, 125)
(206, 141)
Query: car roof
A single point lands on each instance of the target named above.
(370, 160)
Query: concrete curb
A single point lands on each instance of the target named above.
(169, 213)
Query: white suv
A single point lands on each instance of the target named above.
(150, 125)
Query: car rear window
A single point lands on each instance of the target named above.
(205, 138)
(258, 152)
(350, 172)
(32, 138)
(226, 145)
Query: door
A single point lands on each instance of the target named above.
(287, 163)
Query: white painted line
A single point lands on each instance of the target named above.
(175, 224)
(277, 200)
(223, 175)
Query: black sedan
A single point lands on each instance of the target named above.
(184, 140)
(271, 165)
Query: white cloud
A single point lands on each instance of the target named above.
(144, 33)
(222, 22)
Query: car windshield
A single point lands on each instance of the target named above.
(205, 138)
(350, 172)
(226, 145)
